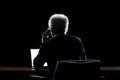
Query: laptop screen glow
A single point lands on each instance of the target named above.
(34, 53)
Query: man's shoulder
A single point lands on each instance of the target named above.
(58, 39)
(74, 37)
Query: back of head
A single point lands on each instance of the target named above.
(58, 23)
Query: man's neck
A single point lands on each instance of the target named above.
(60, 34)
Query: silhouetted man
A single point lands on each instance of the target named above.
(58, 45)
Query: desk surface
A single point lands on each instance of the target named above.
(15, 68)
(103, 68)
(19, 69)
(109, 68)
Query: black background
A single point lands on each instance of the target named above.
(22, 24)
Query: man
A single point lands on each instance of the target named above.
(58, 45)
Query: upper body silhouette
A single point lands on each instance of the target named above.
(58, 45)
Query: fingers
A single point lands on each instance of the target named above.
(46, 35)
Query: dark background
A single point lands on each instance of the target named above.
(22, 24)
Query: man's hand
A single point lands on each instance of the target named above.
(46, 35)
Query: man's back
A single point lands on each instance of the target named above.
(63, 47)
(60, 48)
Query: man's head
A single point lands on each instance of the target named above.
(58, 23)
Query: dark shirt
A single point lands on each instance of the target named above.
(59, 48)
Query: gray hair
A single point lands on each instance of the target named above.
(58, 23)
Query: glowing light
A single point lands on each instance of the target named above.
(34, 53)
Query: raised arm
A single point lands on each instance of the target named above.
(46, 35)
